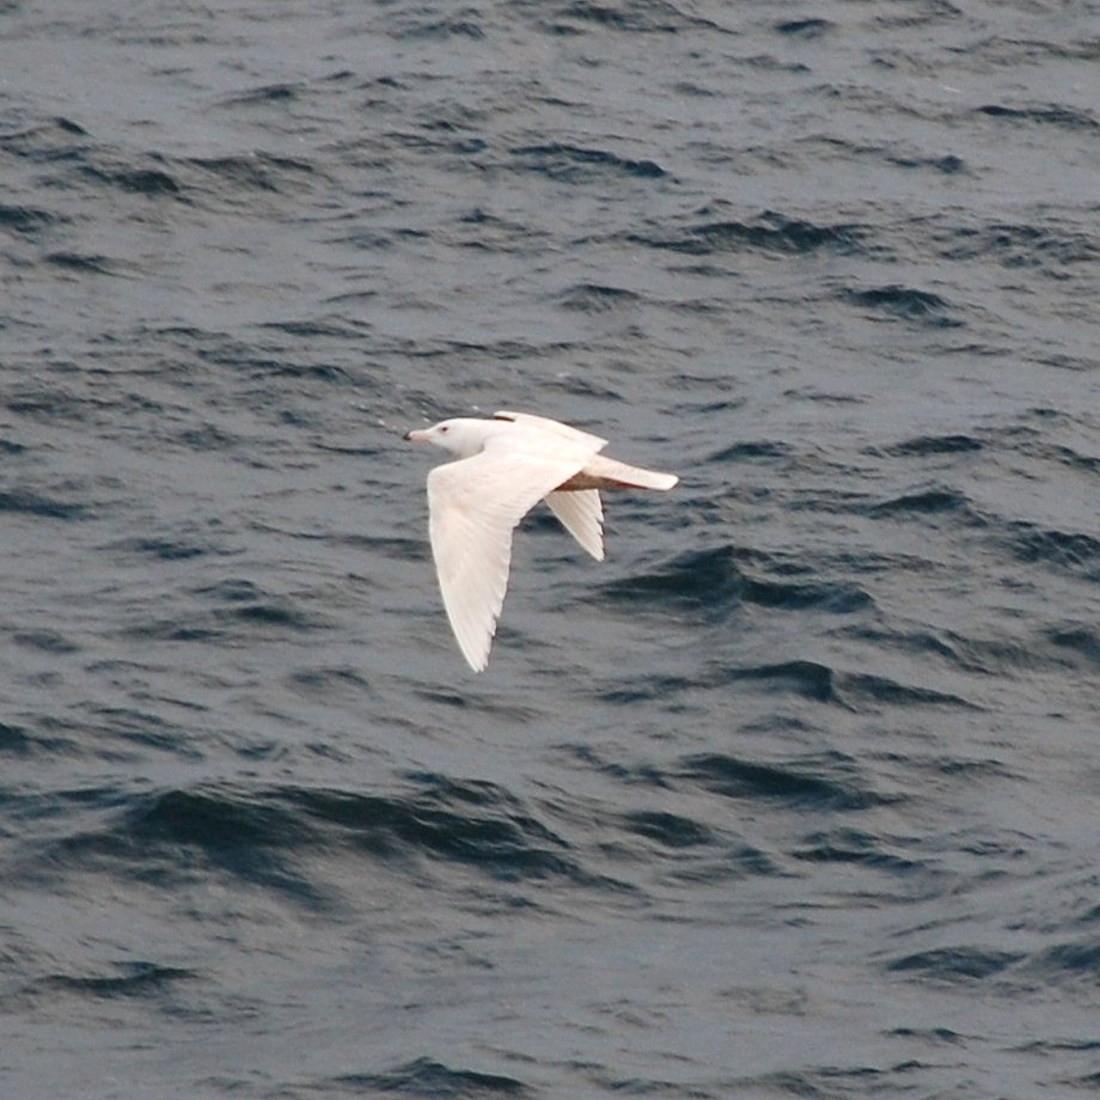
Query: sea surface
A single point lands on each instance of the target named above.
(797, 795)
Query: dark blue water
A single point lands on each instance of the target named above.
(794, 796)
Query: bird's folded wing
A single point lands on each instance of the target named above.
(615, 474)
(473, 505)
(581, 514)
(554, 427)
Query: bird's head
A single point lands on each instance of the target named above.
(461, 437)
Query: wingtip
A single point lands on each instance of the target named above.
(476, 653)
(479, 663)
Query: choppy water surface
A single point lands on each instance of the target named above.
(795, 795)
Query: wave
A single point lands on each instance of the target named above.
(956, 964)
(426, 1077)
(771, 232)
(806, 786)
(711, 584)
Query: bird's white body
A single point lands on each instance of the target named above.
(503, 467)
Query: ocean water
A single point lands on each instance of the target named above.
(795, 795)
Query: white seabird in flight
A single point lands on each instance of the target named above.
(503, 467)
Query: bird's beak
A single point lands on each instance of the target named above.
(417, 435)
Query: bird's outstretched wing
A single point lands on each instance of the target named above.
(473, 506)
(581, 514)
